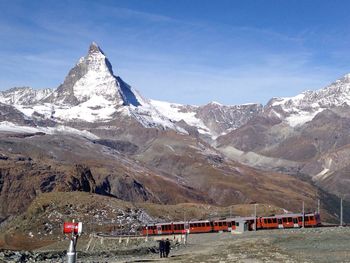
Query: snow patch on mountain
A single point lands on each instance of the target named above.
(6, 126)
(95, 109)
(24, 95)
(96, 84)
(301, 117)
(176, 112)
(150, 117)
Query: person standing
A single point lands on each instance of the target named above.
(162, 248)
(167, 247)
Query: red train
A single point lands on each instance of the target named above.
(228, 224)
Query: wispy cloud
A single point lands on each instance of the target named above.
(127, 13)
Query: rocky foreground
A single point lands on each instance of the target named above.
(295, 245)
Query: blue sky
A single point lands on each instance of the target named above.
(185, 51)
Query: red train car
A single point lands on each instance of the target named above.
(228, 224)
(200, 226)
(289, 221)
(165, 228)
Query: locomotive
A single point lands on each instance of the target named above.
(228, 224)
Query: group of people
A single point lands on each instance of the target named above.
(164, 248)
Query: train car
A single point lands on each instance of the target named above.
(289, 221)
(220, 225)
(203, 226)
(157, 229)
(312, 220)
(180, 227)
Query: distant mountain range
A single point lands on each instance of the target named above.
(96, 133)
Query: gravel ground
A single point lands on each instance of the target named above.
(295, 245)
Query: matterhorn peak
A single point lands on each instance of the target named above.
(91, 80)
(94, 48)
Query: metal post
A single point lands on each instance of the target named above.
(341, 211)
(71, 253)
(230, 211)
(147, 233)
(318, 206)
(303, 215)
(255, 216)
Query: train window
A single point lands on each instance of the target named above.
(224, 223)
(207, 224)
(290, 219)
(265, 221)
(274, 220)
(300, 219)
(215, 224)
(284, 220)
(220, 223)
(233, 223)
(306, 219)
(312, 218)
(269, 221)
(191, 225)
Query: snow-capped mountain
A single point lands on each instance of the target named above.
(90, 93)
(304, 107)
(92, 79)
